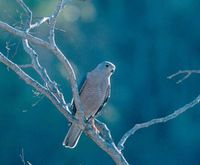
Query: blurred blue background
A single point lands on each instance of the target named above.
(146, 40)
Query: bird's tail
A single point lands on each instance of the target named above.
(72, 137)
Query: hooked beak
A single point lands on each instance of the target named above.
(113, 70)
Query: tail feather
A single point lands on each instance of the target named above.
(72, 137)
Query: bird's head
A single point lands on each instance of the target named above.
(107, 67)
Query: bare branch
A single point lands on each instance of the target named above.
(53, 47)
(30, 81)
(52, 22)
(52, 86)
(26, 66)
(108, 147)
(22, 156)
(157, 121)
(27, 10)
(104, 131)
(30, 17)
(73, 83)
(187, 74)
(55, 50)
(22, 74)
(23, 34)
(40, 22)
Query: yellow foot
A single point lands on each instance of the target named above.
(94, 127)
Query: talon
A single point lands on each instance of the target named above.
(94, 127)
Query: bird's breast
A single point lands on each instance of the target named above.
(92, 97)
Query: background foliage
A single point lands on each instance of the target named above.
(147, 41)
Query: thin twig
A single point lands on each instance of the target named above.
(40, 22)
(187, 74)
(52, 22)
(157, 121)
(23, 34)
(104, 131)
(55, 50)
(26, 66)
(30, 16)
(27, 11)
(22, 156)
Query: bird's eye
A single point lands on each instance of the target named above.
(107, 65)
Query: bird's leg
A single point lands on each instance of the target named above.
(93, 126)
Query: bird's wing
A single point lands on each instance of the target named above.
(82, 84)
(80, 88)
(107, 96)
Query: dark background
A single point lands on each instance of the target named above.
(147, 41)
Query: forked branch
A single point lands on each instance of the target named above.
(186, 74)
(165, 119)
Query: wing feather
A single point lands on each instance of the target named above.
(80, 88)
(107, 96)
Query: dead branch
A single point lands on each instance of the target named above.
(22, 156)
(186, 74)
(165, 119)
